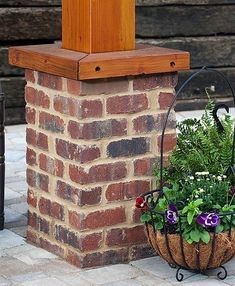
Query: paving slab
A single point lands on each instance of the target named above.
(44, 282)
(128, 282)
(8, 239)
(157, 266)
(111, 273)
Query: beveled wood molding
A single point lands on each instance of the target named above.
(145, 59)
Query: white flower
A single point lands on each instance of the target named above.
(213, 176)
(211, 187)
(219, 178)
(188, 199)
(207, 179)
(201, 190)
(224, 176)
(196, 197)
(191, 177)
(198, 180)
(202, 173)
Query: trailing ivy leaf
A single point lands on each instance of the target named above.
(190, 241)
(219, 228)
(158, 225)
(205, 236)
(162, 204)
(145, 217)
(195, 235)
(190, 217)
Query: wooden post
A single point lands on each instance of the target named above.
(94, 26)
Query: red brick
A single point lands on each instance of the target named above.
(52, 209)
(97, 129)
(165, 99)
(44, 206)
(141, 251)
(29, 75)
(65, 105)
(77, 196)
(31, 136)
(42, 141)
(148, 82)
(75, 219)
(127, 104)
(36, 139)
(32, 220)
(98, 258)
(38, 223)
(144, 167)
(31, 157)
(169, 142)
(79, 153)
(50, 81)
(91, 242)
(91, 108)
(52, 247)
(57, 211)
(51, 122)
(86, 242)
(50, 165)
(115, 192)
(104, 86)
(32, 236)
(74, 258)
(127, 190)
(126, 236)
(98, 173)
(128, 147)
(136, 215)
(104, 218)
(30, 95)
(73, 87)
(67, 236)
(30, 114)
(43, 99)
(37, 180)
(32, 198)
(150, 123)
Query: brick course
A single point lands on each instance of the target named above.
(91, 149)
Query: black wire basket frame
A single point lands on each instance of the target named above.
(152, 198)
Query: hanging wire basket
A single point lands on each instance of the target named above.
(171, 246)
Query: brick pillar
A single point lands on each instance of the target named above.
(91, 146)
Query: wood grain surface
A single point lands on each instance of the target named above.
(93, 26)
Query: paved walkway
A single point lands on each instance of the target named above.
(26, 265)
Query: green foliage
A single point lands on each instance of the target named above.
(200, 147)
(196, 188)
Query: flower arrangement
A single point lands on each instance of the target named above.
(199, 196)
(196, 201)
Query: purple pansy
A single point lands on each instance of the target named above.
(172, 214)
(208, 219)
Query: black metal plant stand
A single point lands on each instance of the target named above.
(2, 156)
(153, 197)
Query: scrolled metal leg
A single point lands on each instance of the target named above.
(223, 273)
(179, 276)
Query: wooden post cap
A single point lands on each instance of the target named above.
(94, 26)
